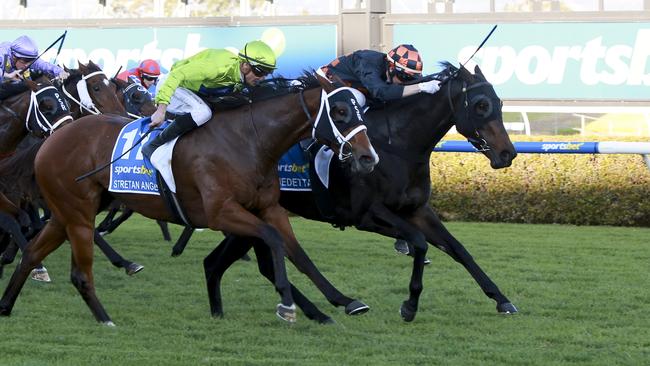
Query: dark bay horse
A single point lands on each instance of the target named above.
(225, 171)
(394, 199)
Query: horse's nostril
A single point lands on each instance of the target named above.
(505, 155)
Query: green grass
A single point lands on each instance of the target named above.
(582, 293)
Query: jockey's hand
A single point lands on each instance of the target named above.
(430, 87)
(158, 117)
(63, 75)
(14, 75)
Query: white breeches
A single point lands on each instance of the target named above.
(185, 101)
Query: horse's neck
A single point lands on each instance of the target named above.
(287, 124)
(415, 124)
(12, 128)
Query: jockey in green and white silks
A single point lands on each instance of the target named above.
(209, 69)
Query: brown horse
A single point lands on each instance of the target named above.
(90, 91)
(225, 171)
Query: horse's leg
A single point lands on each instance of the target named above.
(182, 241)
(164, 228)
(379, 213)
(301, 260)
(46, 241)
(265, 266)
(231, 217)
(231, 249)
(124, 215)
(116, 259)
(216, 264)
(81, 275)
(102, 228)
(437, 235)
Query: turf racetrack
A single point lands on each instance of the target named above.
(582, 293)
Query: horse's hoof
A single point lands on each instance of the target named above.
(406, 312)
(133, 268)
(286, 313)
(507, 308)
(40, 274)
(216, 314)
(176, 252)
(109, 323)
(103, 233)
(327, 321)
(5, 311)
(356, 307)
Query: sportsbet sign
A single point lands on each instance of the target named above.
(298, 47)
(545, 60)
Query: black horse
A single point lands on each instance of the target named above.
(394, 199)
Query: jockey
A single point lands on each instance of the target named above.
(380, 76)
(146, 74)
(208, 69)
(20, 54)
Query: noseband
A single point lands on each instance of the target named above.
(84, 101)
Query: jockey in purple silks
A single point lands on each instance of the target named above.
(16, 56)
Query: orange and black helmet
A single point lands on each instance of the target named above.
(406, 59)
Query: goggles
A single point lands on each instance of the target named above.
(149, 77)
(405, 76)
(259, 71)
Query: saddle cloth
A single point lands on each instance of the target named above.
(132, 173)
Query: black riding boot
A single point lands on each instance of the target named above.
(181, 124)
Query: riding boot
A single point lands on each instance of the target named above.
(182, 124)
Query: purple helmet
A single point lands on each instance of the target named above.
(24, 47)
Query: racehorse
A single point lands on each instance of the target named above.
(225, 171)
(32, 107)
(100, 95)
(394, 199)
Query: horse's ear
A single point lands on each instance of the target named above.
(83, 68)
(65, 68)
(478, 72)
(327, 85)
(93, 66)
(464, 73)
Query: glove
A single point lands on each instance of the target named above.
(63, 75)
(430, 87)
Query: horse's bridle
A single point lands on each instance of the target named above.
(343, 141)
(130, 89)
(35, 112)
(477, 141)
(84, 102)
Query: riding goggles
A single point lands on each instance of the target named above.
(259, 70)
(149, 77)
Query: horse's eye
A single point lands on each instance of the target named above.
(138, 97)
(96, 88)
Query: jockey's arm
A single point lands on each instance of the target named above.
(158, 117)
(410, 90)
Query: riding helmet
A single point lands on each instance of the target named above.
(24, 47)
(149, 67)
(406, 58)
(258, 53)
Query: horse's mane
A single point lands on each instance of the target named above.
(267, 89)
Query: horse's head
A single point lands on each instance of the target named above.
(477, 112)
(340, 125)
(47, 108)
(135, 97)
(89, 89)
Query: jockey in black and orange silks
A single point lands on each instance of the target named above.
(381, 76)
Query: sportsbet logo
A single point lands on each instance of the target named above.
(133, 170)
(565, 146)
(594, 62)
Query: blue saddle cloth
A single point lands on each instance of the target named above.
(132, 173)
(293, 169)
